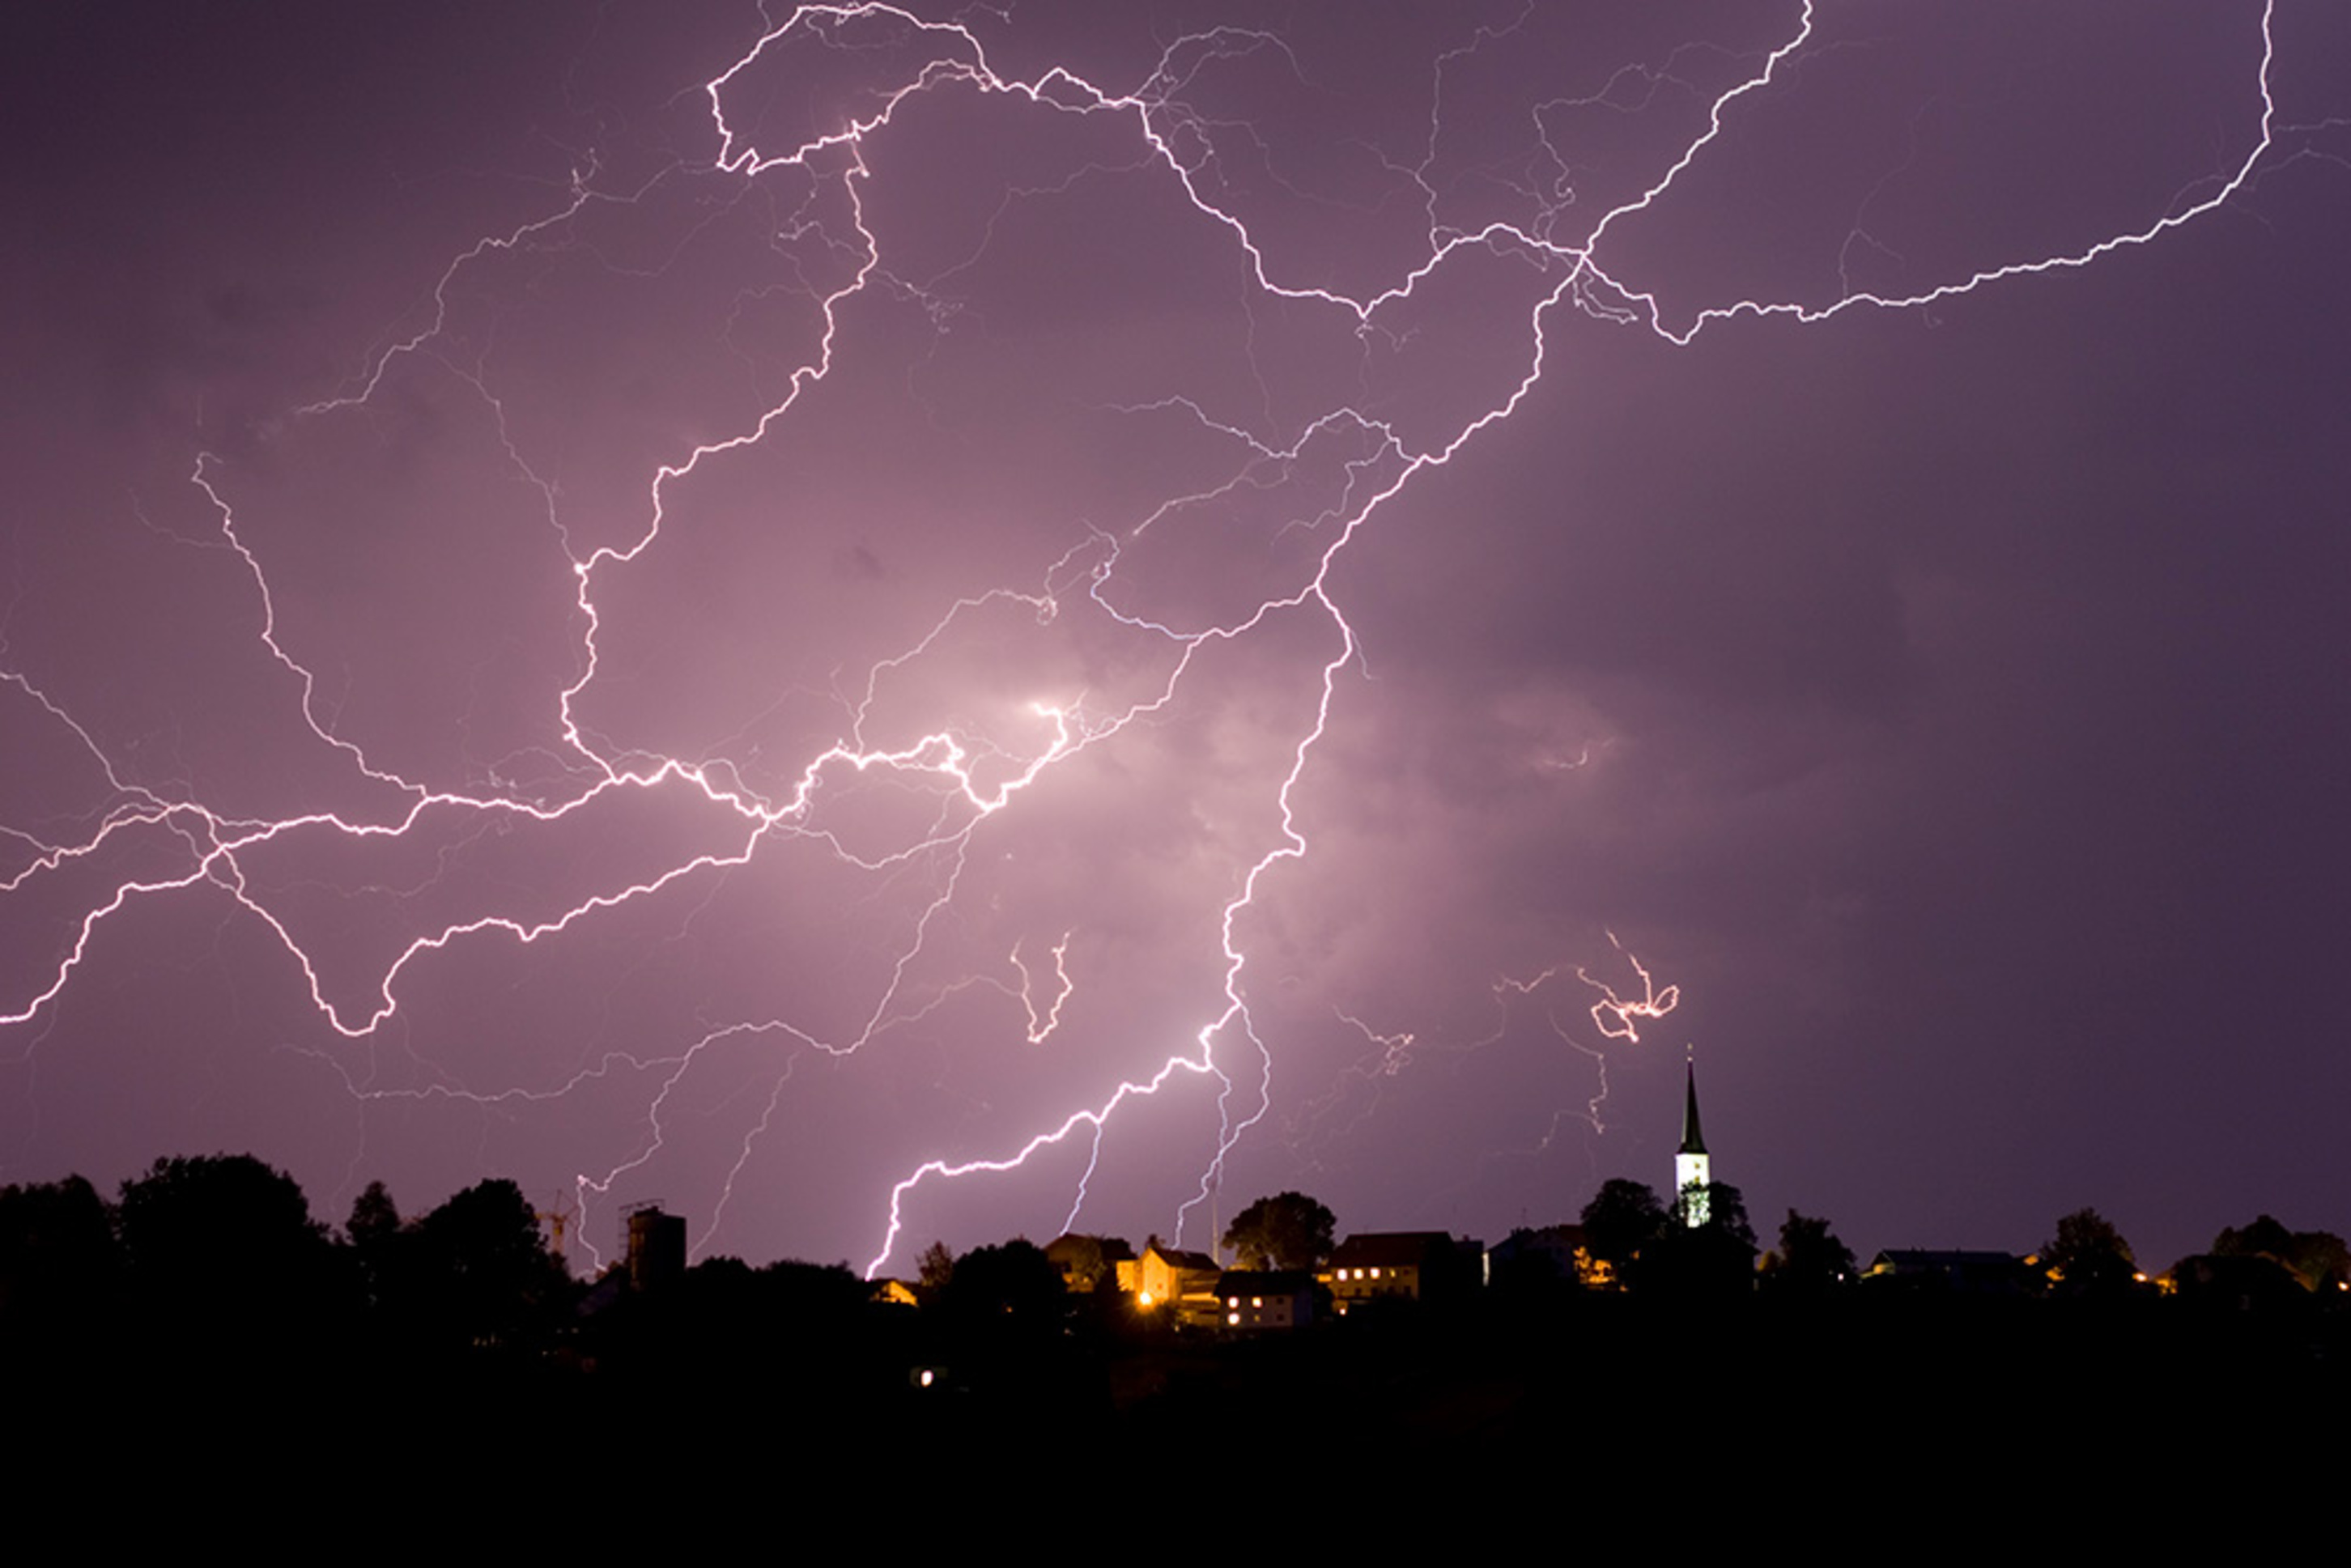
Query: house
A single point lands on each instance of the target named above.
(1960, 1272)
(1257, 1299)
(1557, 1253)
(1401, 1266)
(1169, 1279)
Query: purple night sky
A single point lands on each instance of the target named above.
(739, 645)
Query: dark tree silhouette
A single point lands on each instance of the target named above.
(380, 1243)
(1725, 1208)
(60, 1271)
(1809, 1259)
(373, 1215)
(222, 1251)
(1287, 1230)
(936, 1267)
(2088, 1255)
(1715, 1256)
(1623, 1217)
(791, 1329)
(486, 1274)
(1008, 1290)
(1086, 1262)
(2318, 1258)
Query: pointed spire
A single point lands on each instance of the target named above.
(1693, 1142)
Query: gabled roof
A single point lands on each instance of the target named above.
(1562, 1239)
(1942, 1258)
(1263, 1282)
(1994, 1273)
(1190, 1262)
(1390, 1249)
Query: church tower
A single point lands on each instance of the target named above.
(1690, 1167)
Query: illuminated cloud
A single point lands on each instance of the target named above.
(793, 621)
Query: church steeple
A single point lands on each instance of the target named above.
(1693, 1141)
(1692, 1171)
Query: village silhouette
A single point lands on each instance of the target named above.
(206, 1284)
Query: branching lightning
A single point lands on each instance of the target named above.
(1614, 1015)
(963, 770)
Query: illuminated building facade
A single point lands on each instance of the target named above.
(1692, 1173)
(1167, 1280)
(1257, 1299)
(1401, 1265)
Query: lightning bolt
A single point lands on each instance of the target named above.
(1042, 1025)
(1611, 1016)
(1614, 1015)
(904, 805)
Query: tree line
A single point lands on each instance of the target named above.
(216, 1261)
